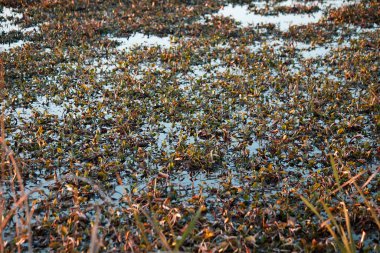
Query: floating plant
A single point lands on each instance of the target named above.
(189, 125)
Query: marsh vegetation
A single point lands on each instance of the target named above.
(196, 126)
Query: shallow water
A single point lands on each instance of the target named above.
(9, 16)
(242, 15)
(9, 46)
(139, 39)
(154, 106)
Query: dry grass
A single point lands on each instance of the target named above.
(2, 73)
(342, 232)
(103, 179)
(10, 172)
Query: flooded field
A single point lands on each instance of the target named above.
(192, 126)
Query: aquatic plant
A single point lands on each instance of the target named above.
(118, 143)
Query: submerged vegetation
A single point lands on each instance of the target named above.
(143, 125)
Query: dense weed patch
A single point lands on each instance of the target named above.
(225, 137)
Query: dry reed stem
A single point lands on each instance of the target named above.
(2, 74)
(94, 244)
(350, 181)
(17, 205)
(2, 200)
(7, 154)
(2, 137)
(17, 176)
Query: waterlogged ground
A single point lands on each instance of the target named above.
(146, 109)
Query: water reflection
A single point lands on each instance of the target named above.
(139, 39)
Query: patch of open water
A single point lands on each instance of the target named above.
(283, 21)
(322, 4)
(242, 15)
(8, 18)
(139, 39)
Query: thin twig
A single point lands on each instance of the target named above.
(352, 180)
(17, 205)
(371, 177)
(94, 244)
(2, 201)
(20, 181)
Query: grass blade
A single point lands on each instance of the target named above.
(324, 223)
(348, 228)
(375, 214)
(158, 229)
(189, 229)
(311, 206)
(141, 227)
